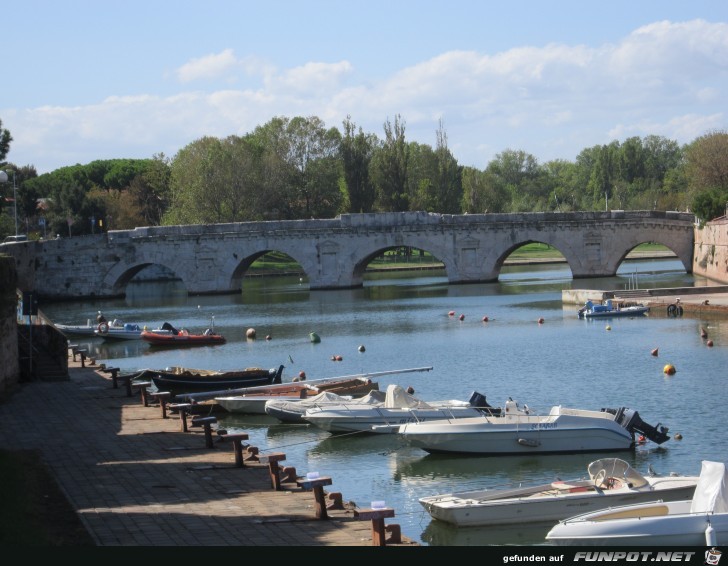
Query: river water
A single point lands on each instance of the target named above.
(403, 322)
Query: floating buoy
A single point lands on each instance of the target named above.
(669, 369)
(462, 317)
(703, 332)
(678, 436)
(336, 358)
(268, 337)
(709, 343)
(362, 348)
(411, 390)
(654, 352)
(485, 319)
(540, 321)
(302, 375)
(315, 338)
(451, 313)
(609, 327)
(250, 333)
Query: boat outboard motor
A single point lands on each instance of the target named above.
(631, 420)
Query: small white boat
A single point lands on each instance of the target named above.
(399, 407)
(519, 431)
(700, 521)
(611, 481)
(94, 328)
(611, 310)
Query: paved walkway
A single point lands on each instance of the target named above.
(137, 480)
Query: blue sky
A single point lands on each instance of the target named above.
(87, 79)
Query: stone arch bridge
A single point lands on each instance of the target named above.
(334, 253)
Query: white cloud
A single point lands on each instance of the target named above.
(668, 79)
(207, 67)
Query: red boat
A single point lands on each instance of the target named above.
(170, 336)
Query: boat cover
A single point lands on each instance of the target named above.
(398, 398)
(711, 493)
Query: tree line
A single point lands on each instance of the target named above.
(294, 168)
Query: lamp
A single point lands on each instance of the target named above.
(4, 179)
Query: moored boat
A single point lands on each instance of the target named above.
(180, 380)
(167, 335)
(398, 407)
(518, 430)
(610, 309)
(610, 481)
(699, 521)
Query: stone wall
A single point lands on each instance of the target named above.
(711, 251)
(9, 368)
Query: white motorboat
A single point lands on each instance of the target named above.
(292, 410)
(519, 431)
(700, 521)
(611, 481)
(611, 310)
(118, 330)
(399, 407)
(92, 328)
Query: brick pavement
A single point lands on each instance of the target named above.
(136, 479)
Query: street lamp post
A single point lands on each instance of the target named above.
(4, 179)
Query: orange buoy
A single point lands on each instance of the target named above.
(462, 317)
(485, 319)
(669, 369)
(654, 352)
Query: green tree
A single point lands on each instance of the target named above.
(390, 165)
(356, 152)
(706, 170)
(449, 180)
(5, 139)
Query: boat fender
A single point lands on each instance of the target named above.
(710, 537)
(103, 328)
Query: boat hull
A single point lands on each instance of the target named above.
(168, 339)
(470, 509)
(189, 381)
(653, 524)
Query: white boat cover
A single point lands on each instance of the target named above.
(398, 398)
(711, 493)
